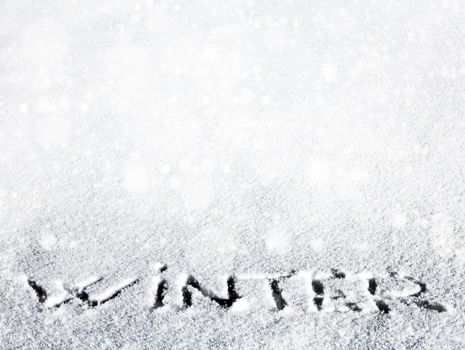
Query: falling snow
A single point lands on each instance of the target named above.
(291, 142)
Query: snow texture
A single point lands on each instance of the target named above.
(243, 174)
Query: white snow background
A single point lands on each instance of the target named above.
(229, 137)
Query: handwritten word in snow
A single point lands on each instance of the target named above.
(333, 291)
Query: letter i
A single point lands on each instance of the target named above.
(161, 288)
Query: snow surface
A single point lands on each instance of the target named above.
(243, 137)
